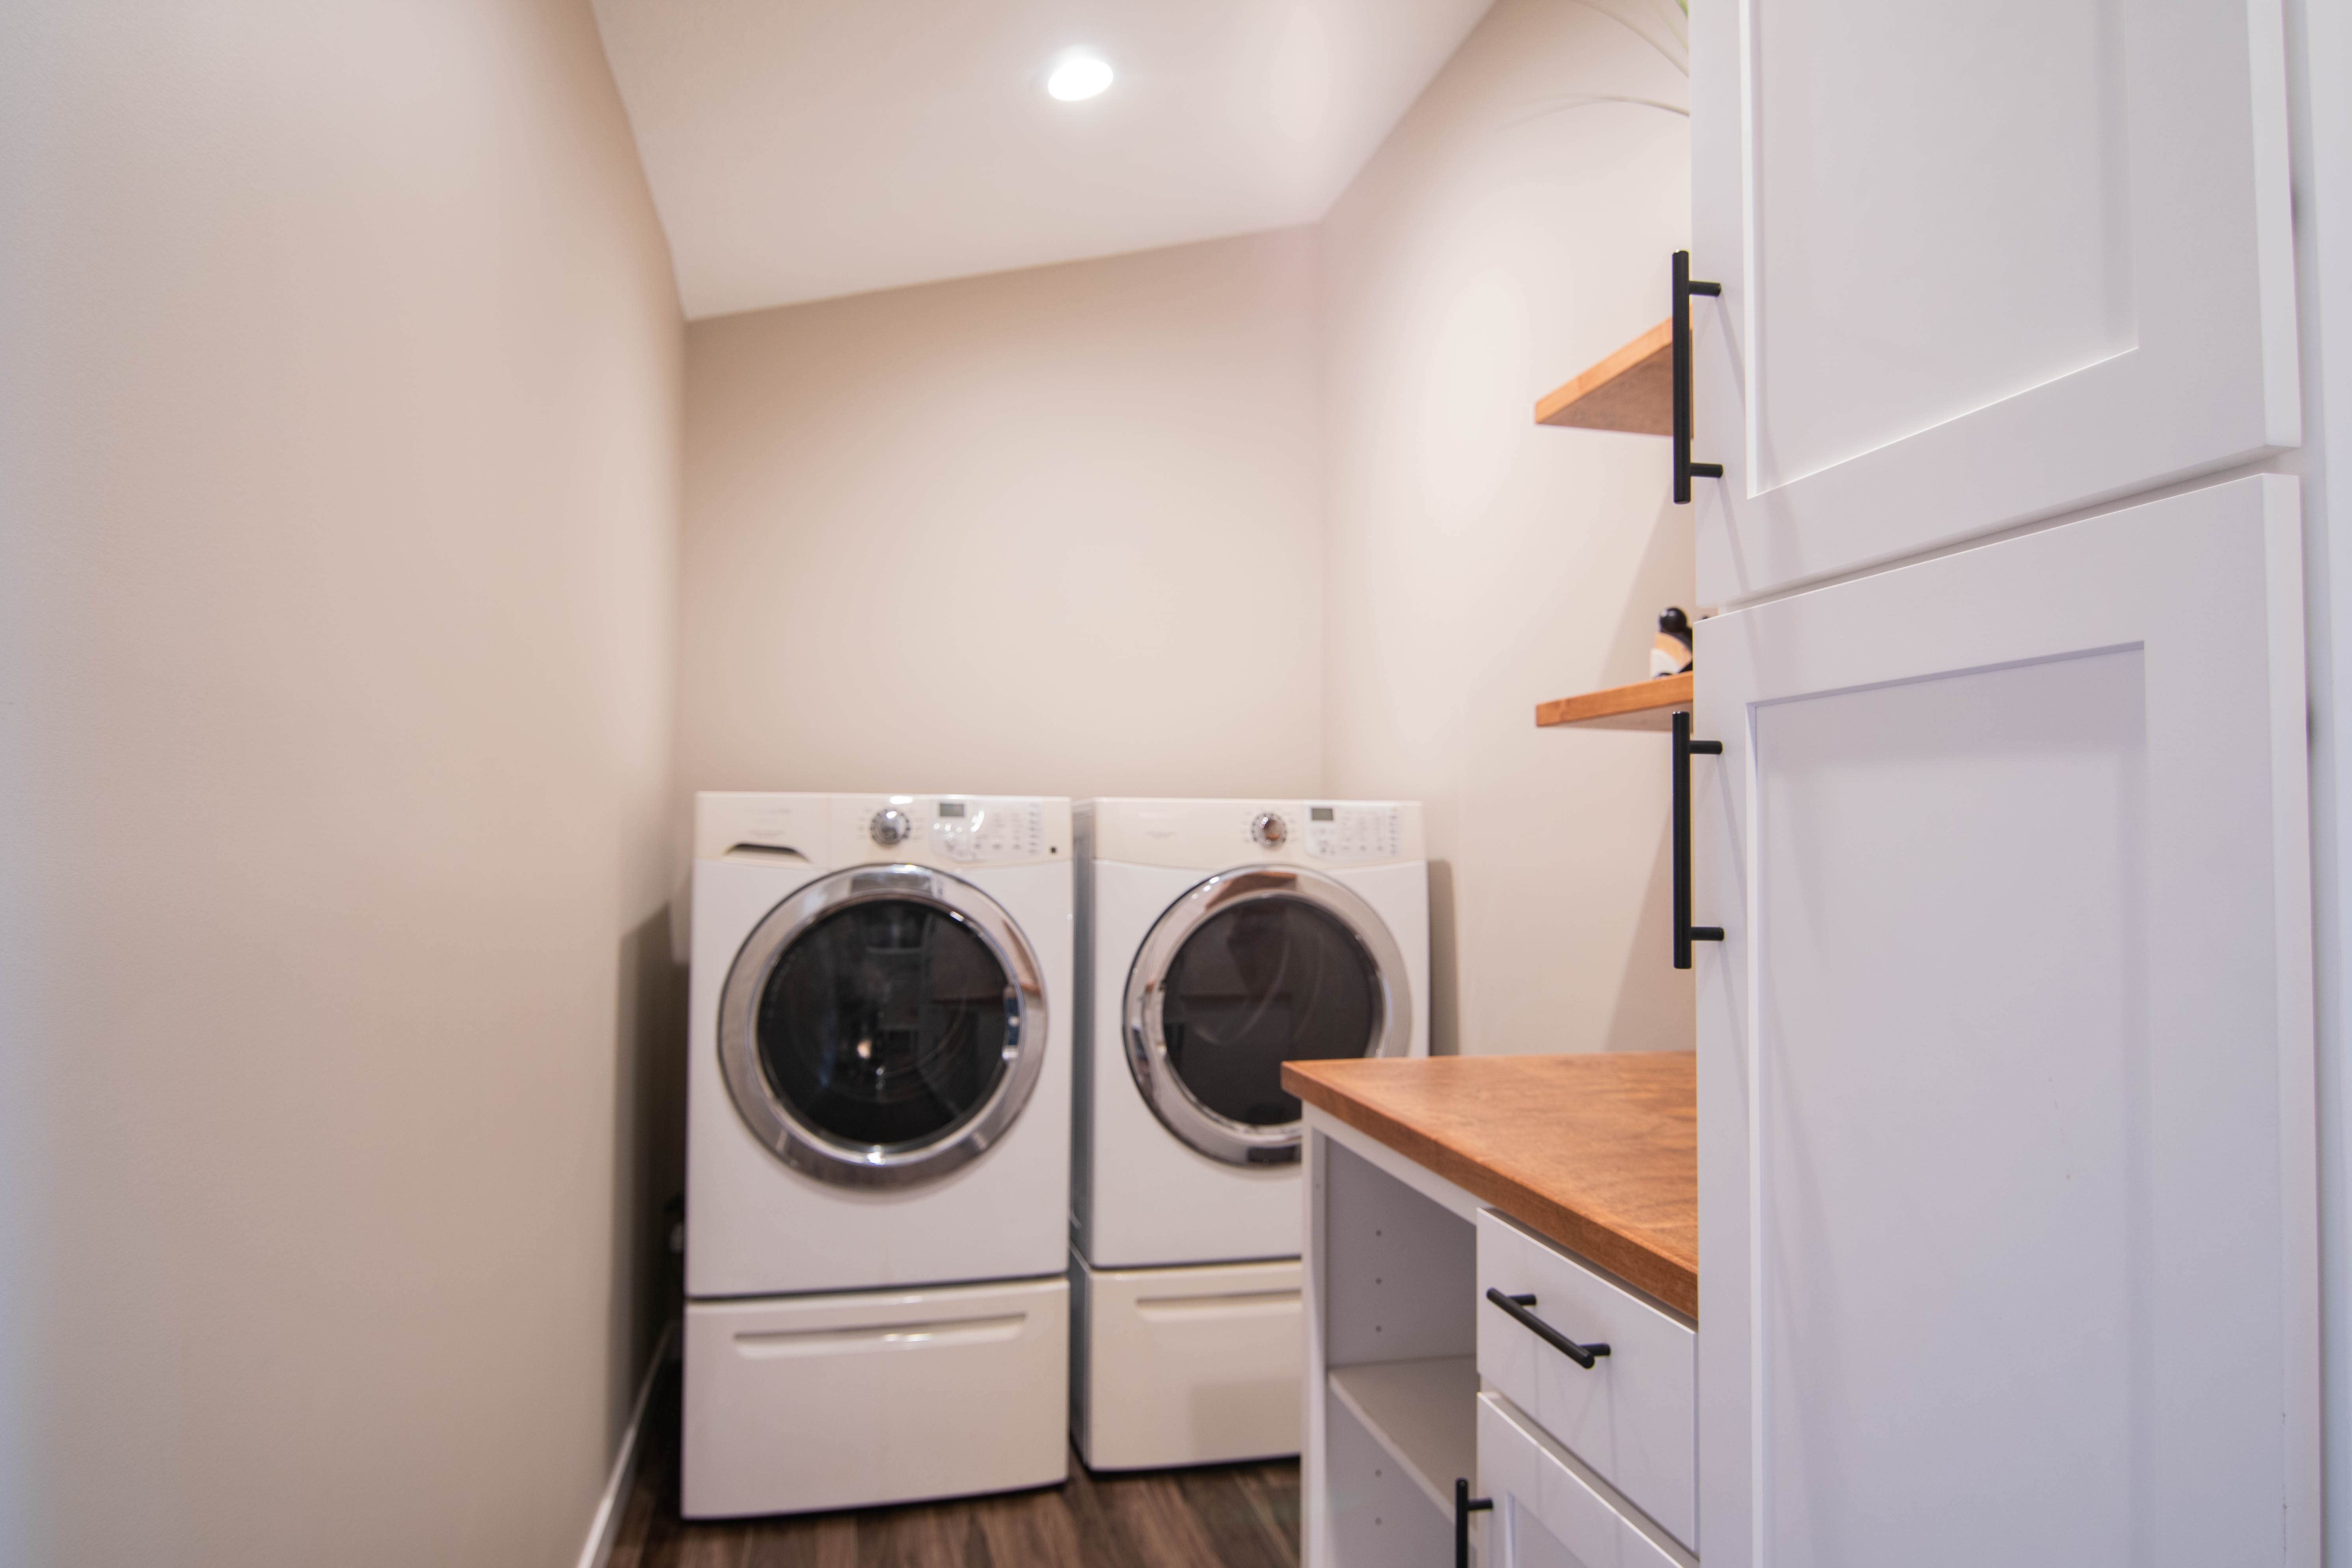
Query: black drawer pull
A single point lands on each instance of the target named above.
(1464, 1505)
(1517, 1306)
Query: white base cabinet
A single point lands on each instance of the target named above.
(1416, 1381)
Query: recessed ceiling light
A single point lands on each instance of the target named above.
(1078, 75)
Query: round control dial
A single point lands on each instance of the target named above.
(1268, 830)
(891, 826)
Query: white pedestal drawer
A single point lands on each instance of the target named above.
(1633, 1415)
(845, 1400)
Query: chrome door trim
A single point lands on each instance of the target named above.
(877, 1165)
(1221, 1136)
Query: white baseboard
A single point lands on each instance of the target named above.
(606, 1527)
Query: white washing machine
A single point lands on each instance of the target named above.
(877, 1150)
(1218, 939)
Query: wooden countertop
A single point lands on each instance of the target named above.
(1599, 1154)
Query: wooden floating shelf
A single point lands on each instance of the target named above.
(1646, 705)
(1632, 389)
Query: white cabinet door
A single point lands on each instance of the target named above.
(1980, 263)
(2007, 1187)
(1550, 1511)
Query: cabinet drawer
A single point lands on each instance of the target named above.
(1545, 1514)
(1632, 1415)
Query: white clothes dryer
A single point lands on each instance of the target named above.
(877, 1150)
(1216, 940)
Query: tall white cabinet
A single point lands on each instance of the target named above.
(2006, 1105)
(2007, 1187)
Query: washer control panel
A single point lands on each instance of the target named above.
(1342, 832)
(973, 828)
(830, 831)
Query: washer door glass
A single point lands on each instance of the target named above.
(1256, 985)
(886, 1024)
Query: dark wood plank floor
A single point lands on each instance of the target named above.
(1224, 1516)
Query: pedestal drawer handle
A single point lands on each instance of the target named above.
(1517, 1306)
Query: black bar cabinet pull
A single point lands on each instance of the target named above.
(1684, 469)
(1464, 1505)
(1517, 1306)
(1686, 934)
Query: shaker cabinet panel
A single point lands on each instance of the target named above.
(2006, 1095)
(1549, 1511)
(1978, 264)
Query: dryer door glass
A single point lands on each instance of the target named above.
(886, 1024)
(1257, 984)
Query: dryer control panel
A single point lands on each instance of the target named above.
(1212, 835)
(1344, 832)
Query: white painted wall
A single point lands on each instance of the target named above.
(1052, 531)
(339, 389)
(1515, 227)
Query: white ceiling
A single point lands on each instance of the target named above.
(801, 149)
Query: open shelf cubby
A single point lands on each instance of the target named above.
(1423, 1413)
